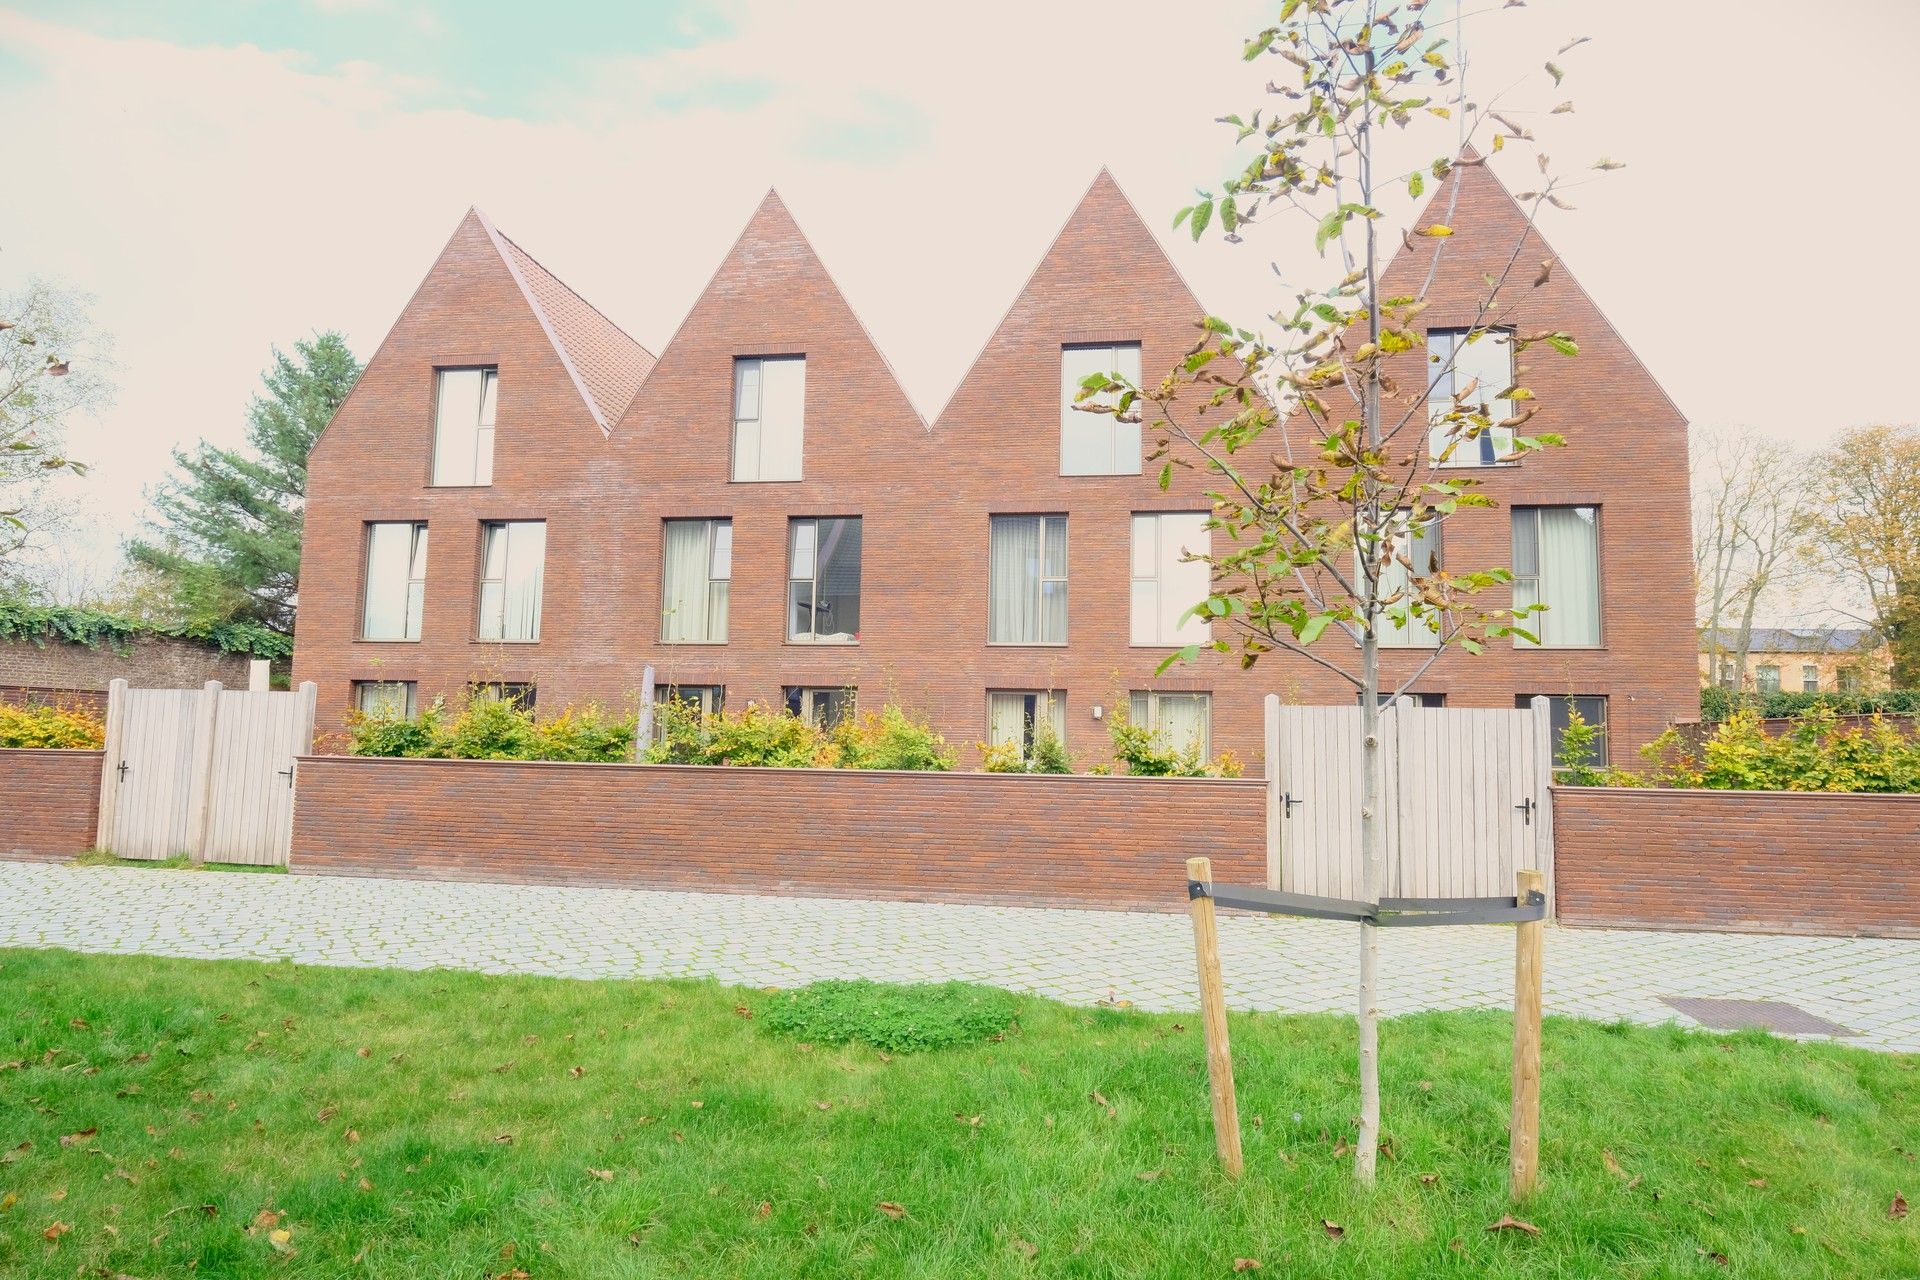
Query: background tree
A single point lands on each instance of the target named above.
(226, 530)
(1750, 521)
(52, 366)
(1866, 526)
(1319, 532)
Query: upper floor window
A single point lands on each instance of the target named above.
(1561, 708)
(1166, 584)
(823, 581)
(1766, 678)
(513, 565)
(1027, 580)
(1177, 721)
(697, 581)
(1556, 562)
(1097, 444)
(769, 416)
(463, 425)
(1469, 374)
(822, 708)
(385, 699)
(1809, 677)
(1397, 627)
(396, 581)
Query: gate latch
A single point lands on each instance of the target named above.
(286, 773)
(123, 771)
(1526, 810)
(1289, 802)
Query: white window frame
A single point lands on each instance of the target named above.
(470, 466)
(811, 578)
(1494, 445)
(1159, 564)
(413, 604)
(1120, 440)
(1765, 673)
(752, 461)
(1809, 677)
(1145, 707)
(407, 690)
(718, 555)
(493, 628)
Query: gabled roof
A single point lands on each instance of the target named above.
(606, 365)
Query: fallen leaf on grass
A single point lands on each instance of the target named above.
(57, 1196)
(1613, 1166)
(1150, 1175)
(972, 1122)
(364, 1051)
(366, 1185)
(892, 1210)
(503, 1068)
(743, 1011)
(1720, 1258)
(8, 1200)
(824, 1106)
(351, 1135)
(326, 1113)
(282, 1241)
(576, 1072)
(1246, 1264)
(1510, 1223)
(57, 1230)
(696, 1104)
(503, 1138)
(604, 1175)
(72, 1139)
(1026, 1248)
(765, 1210)
(1756, 1182)
(1898, 1209)
(1333, 1229)
(1429, 1179)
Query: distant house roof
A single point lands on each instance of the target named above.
(1812, 640)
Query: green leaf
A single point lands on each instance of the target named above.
(1202, 215)
(1563, 344)
(1311, 629)
(1229, 215)
(1166, 476)
(1416, 183)
(1329, 228)
(1181, 217)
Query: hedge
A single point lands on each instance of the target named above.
(1717, 704)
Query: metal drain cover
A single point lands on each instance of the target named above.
(1768, 1015)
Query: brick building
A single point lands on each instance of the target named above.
(518, 495)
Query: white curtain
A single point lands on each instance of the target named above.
(1006, 718)
(1013, 580)
(1569, 578)
(684, 605)
(525, 575)
(387, 612)
(1178, 721)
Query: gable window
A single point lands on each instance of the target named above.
(385, 699)
(1027, 580)
(396, 581)
(513, 565)
(1396, 627)
(697, 581)
(463, 412)
(769, 416)
(1809, 677)
(822, 708)
(1556, 562)
(823, 581)
(1097, 444)
(1177, 721)
(1560, 709)
(1766, 678)
(1467, 375)
(1012, 716)
(519, 693)
(1166, 584)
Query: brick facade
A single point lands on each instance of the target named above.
(926, 492)
(64, 673)
(935, 837)
(49, 803)
(1743, 861)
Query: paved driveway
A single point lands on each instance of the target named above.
(1870, 986)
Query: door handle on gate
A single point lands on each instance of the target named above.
(1526, 810)
(1288, 801)
(123, 770)
(286, 773)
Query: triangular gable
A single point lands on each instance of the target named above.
(605, 364)
(1486, 222)
(1104, 271)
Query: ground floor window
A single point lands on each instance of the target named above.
(1419, 699)
(707, 699)
(1178, 721)
(1560, 709)
(385, 699)
(823, 708)
(1012, 716)
(519, 693)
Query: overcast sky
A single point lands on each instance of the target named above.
(226, 175)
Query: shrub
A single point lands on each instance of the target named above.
(1817, 754)
(1147, 757)
(495, 729)
(1717, 704)
(889, 739)
(889, 1016)
(770, 739)
(1049, 754)
(66, 727)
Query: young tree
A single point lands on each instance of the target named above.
(1750, 521)
(1866, 523)
(1322, 523)
(51, 368)
(226, 540)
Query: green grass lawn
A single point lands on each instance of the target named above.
(176, 1114)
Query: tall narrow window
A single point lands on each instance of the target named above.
(1097, 444)
(513, 563)
(1178, 721)
(824, 708)
(769, 417)
(1397, 627)
(1013, 716)
(396, 582)
(1027, 580)
(1165, 582)
(1766, 678)
(695, 586)
(1556, 562)
(1809, 677)
(823, 581)
(463, 415)
(384, 699)
(1468, 375)
(1560, 711)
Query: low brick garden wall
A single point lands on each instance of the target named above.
(946, 837)
(1744, 861)
(49, 802)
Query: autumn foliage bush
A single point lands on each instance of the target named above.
(495, 729)
(890, 738)
(67, 727)
(1819, 753)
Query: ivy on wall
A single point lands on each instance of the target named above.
(44, 624)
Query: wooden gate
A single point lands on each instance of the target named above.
(1467, 799)
(207, 773)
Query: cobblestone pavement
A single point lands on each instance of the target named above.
(1871, 986)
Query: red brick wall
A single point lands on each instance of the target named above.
(49, 803)
(149, 662)
(952, 837)
(926, 493)
(1744, 861)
